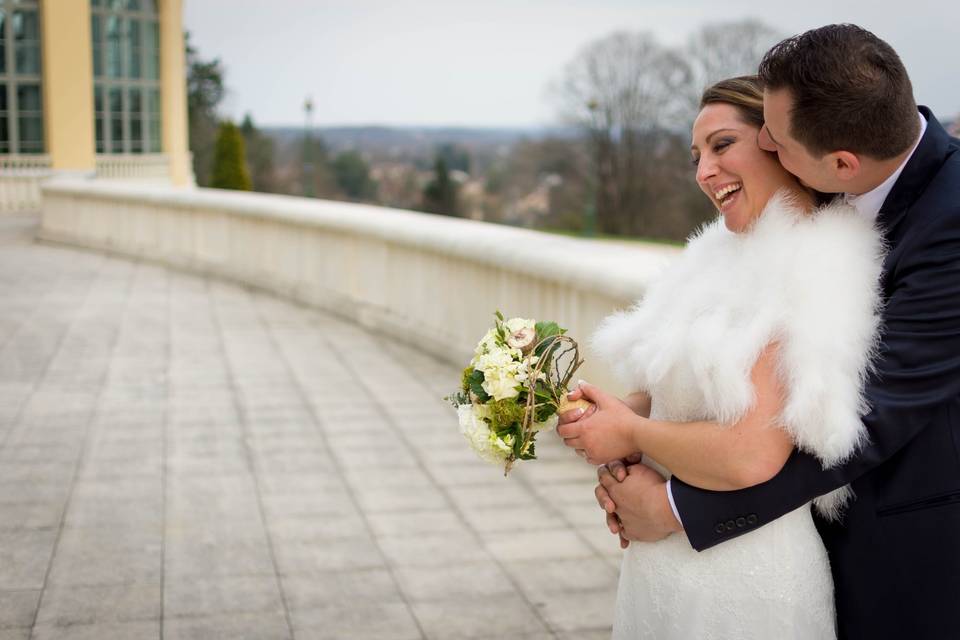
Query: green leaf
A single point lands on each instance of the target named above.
(530, 453)
(544, 411)
(476, 386)
(518, 447)
(499, 315)
(547, 330)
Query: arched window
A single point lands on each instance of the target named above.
(21, 95)
(126, 73)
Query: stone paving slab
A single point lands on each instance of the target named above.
(182, 457)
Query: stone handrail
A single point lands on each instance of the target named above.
(135, 166)
(426, 279)
(20, 178)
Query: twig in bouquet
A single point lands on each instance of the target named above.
(554, 355)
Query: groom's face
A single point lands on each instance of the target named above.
(775, 136)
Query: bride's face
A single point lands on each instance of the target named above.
(732, 170)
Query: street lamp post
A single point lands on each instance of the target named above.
(308, 178)
(590, 210)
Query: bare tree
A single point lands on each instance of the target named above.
(623, 90)
(728, 49)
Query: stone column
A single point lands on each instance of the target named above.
(68, 85)
(173, 92)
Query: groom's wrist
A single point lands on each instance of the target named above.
(673, 504)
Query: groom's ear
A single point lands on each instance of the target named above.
(845, 165)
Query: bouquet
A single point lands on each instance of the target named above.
(514, 387)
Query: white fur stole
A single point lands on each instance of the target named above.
(810, 282)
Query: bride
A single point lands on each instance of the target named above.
(755, 341)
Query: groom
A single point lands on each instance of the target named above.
(840, 114)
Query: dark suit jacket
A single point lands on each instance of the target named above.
(896, 555)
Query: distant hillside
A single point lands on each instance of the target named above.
(416, 141)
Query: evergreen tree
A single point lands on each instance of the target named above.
(440, 194)
(205, 89)
(259, 156)
(229, 169)
(352, 174)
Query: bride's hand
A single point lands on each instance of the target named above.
(606, 433)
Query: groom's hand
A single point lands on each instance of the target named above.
(612, 472)
(642, 509)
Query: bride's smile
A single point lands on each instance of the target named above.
(732, 170)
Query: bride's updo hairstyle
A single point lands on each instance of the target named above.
(743, 93)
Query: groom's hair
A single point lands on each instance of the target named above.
(850, 91)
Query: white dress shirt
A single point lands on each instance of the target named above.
(868, 204)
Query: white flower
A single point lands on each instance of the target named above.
(522, 339)
(484, 442)
(501, 383)
(516, 324)
(487, 344)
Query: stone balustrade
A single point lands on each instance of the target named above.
(134, 166)
(428, 280)
(20, 178)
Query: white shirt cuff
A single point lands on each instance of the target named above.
(673, 505)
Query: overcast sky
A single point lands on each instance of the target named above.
(451, 62)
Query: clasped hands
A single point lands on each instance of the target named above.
(632, 495)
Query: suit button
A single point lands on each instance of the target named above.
(729, 525)
(741, 523)
(719, 528)
(752, 518)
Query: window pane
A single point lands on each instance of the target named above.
(4, 124)
(136, 135)
(31, 133)
(115, 98)
(133, 48)
(133, 5)
(28, 99)
(96, 28)
(136, 102)
(28, 58)
(26, 35)
(136, 120)
(151, 49)
(156, 127)
(155, 132)
(114, 5)
(99, 117)
(3, 42)
(114, 59)
(25, 26)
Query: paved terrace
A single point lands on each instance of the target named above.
(186, 458)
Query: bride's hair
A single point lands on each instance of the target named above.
(744, 93)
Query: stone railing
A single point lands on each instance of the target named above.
(20, 178)
(429, 280)
(142, 167)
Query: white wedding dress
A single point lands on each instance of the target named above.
(809, 282)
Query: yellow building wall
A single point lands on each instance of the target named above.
(68, 84)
